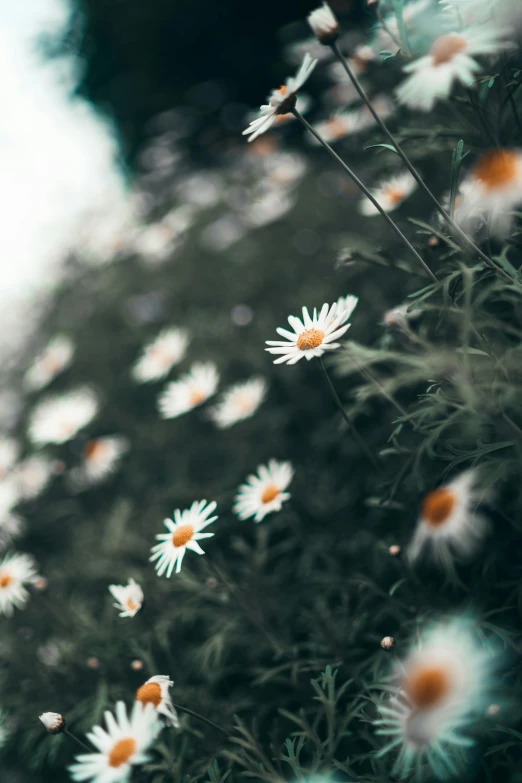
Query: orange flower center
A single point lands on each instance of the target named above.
(426, 687)
(282, 90)
(121, 752)
(336, 127)
(496, 168)
(93, 449)
(437, 506)
(5, 580)
(182, 534)
(51, 363)
(310, 338)
(160, 353)
(270, 493)
(393, 194)
(196, 396)
(244, 402)
(132, 605)
(444, 49)
(150, 693)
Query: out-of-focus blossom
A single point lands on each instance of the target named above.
(311, 337)
(32, 476)
(400, 315)
(52, 361)
(354, 121)
(184, 533)
(284, 169)
(156, 692)
(390, 194)
(156, 242)
(264, 492)
(15, 572)
(58, 419)
(160, 355)
(222, 233)
(101, 457)
(324, 25)
(189, 391)
(129, 598)
(9, 452)
(268, 207)
(414, 15)
(239, 402)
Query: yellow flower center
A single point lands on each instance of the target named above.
(150, 693)
(426, 687)
(496, 168)
(51, 363)
(93, 449)
(196, 396)
(182, 534)
(121, 752)
(132, 605)
(444, 49)
(336, 127)
(270, 493)
(310, 338)
(437, 506)
(393, 194)
(161, 354)
(5, 580)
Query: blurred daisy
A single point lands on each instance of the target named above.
(284, 169)
(52, 361)
(311, 337)
(338, 127)
(443, 686)
(448, 519)
(32, 476)
(9, 452)
(11, 527)
(414, 14)
(324, 25)
(184, 533)
(270, 206)
(281, 101)
(492, 188)
(120, 747)
(400, 315)
(239, 402)
(101, 457)
(160, 355)
(449, 59)
(129, 598)
(156, 692)
(156, 242)
(390, 194)
(189, 391)
(264, 492)
(15, 572)
(58, 419)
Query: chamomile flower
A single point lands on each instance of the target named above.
(311, 337)
(448, 521)
(239, 402)
(11, 527)
(443, 685)
(129, 598)
(156, 692)
(58, 419)
(324, 25)
(264, 492)
(281, 101)
(32, 476)
(101, 457)
(160, 355)
(390, 194)
(15, 572)
(492, 188)
(449, 60)
(52, 361)
(9, 451)
(122, 745)
(184, 533)
(189, 391)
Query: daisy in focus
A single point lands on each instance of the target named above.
(160, 355)
(448, 520)
(264, 492)
(122, 745)
(192, 389)
(449, 60)
(184, 533)
(15, 572)
(390, 194)
(281, 101)
(101, 457)
(9, 451)
(58, 419)
(311, 337)
(129, 598)
(156, 692)
(239, 402)
(52, 361)
(443, 686)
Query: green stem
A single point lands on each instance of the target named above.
(78, 741)
(201, 718)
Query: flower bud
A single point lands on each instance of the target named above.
(53, 722)
(324, 25)
(394, 550)
(388, 643)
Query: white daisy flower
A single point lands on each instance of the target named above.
(281, 101)
(160, 355)
(311, 337)
(32, 476)
(448, 520)
(324, 25)
(264, 492)
(189, 391)
(354, 121)
(184, 533)
(156, 692)
(122, 745)
(129, 598)
(101, 457)
(449, 59)
(443, 686)
(11, 527)
(390, 194)
(52, 361)
(58, 419)
(346, 305)
(9, 452)
(303, 103)
(15, 571)
(239, 402)
(492, 188)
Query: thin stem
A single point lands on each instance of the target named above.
(78, 741)
(345, 416)
(201, 718)
(369, 376)
(366, 192)
(364, 97)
